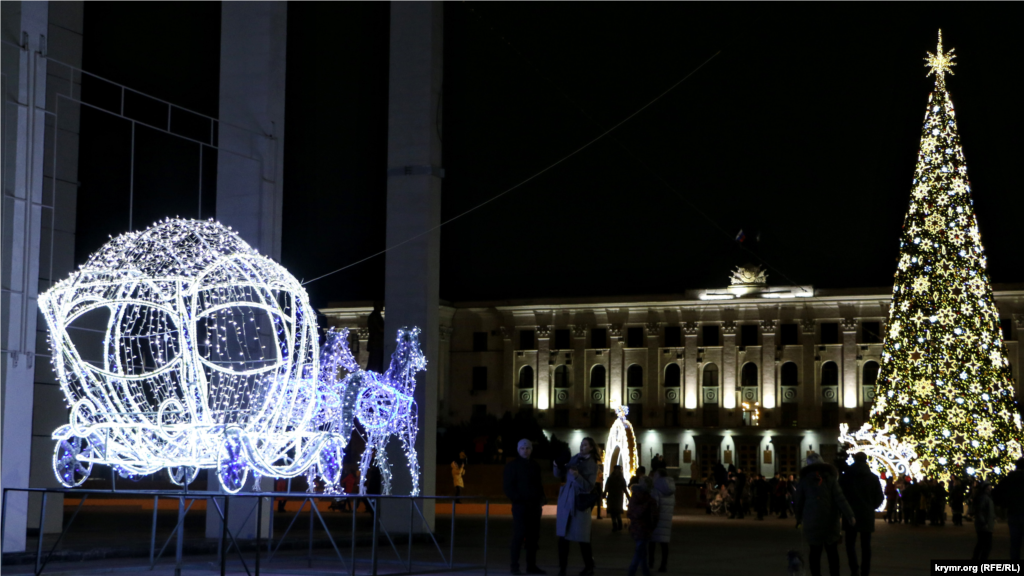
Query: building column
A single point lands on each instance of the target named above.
(25, 25)
(849, 326)
(810, 394)
(654, 397)
(729, 367)
(768, 363)
(543, 400)
(412, 269)
(616, 381)
(508, 369)
(580, 384)
(691, 387)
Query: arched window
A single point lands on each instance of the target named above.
(749, 375)
(829, 374)
(597, 376)
(526, 377)
(562, 377)
(635, 377)
(790, 375)
(710, 375)
(870, 373)
(672, 376)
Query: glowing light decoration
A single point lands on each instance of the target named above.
(945, 387)
(620, 448)
(180, 348)
(886, 454)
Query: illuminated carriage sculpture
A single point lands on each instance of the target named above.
(180, 348)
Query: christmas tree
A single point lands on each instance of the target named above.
(945, 387)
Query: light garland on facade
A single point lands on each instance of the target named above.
(209, 359)
(945, 386)
(622, 438)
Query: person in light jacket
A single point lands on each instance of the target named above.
(572, 525)
(819, 504)
(665, 492)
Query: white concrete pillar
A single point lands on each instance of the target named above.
(250, 162)
(412, 270)
(250, 166)
(25, 24)
(849, 326)
(729, 367)
(691, 387)
(654, 396)
(616, 379)
(768, 363)
(543, 399)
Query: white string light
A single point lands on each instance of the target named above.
(622, 438)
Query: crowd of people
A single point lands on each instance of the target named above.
(829, 506)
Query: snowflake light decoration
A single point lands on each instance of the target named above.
(886, 454)
(206, 356)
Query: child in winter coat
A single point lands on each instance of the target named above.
(643, 518)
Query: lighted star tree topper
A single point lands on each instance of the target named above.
(945, 386)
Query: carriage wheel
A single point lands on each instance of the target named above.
(182, 475)
(232, 469)
(70, 471)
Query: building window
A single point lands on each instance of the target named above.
(671, 454)
(707, 457)
(748, 335)
(635, 337)
(636, 415)
(561, 417)
(527, 340)
(790, 374)
(599, 338)
(710, 375)
(829, 374)
(672, 376)
(526, 377)
(672, 415)
(673, 337)
(789, 334)
(709, 335)
(746, 458)
(480, 378)
(562, 341)
(562, 377)
(870, 373)
(871, 332)
(829, 333)
(635, 377)
(479, 412)
(749, 374)
(790, 414)
(597, 414)
(479, 341)
(788, 458)
(1006, 327)
(597, 376)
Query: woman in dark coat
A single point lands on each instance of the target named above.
(614, 495)
(863, 490)
(819, 504)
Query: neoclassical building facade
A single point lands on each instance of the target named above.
(749, 375)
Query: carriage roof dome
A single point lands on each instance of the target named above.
(171, 247)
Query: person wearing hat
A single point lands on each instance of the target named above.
(819, 504)
(1010, 495)
(984, 522)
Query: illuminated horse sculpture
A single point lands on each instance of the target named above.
(382, 403)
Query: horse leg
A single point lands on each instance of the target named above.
(408, 439)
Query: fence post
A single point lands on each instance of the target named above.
(352, 571)
(373, 545)
(259, 530)
(223, 537)
(411, 517)
(181, 535)
(152, 537)
(451, 541)
(309, 556)
(487, 523)
(42, 519)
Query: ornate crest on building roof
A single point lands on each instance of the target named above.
(749, 275)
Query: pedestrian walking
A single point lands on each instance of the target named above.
(759, 489)
(458, 472)
(956, 500)
(818, 507)
(573, 524)
(665, 494)
(643, 518)
(522, 484)
(984, 522)
(641, 478)
(615, 490)
(864, 494)
(782, 497)
(600, 482)
(1010, 495)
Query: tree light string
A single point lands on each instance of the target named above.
(209, 358)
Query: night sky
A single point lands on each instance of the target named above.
(803, 131)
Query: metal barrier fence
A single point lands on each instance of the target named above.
(221, 503)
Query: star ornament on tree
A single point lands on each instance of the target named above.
(940, 62)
